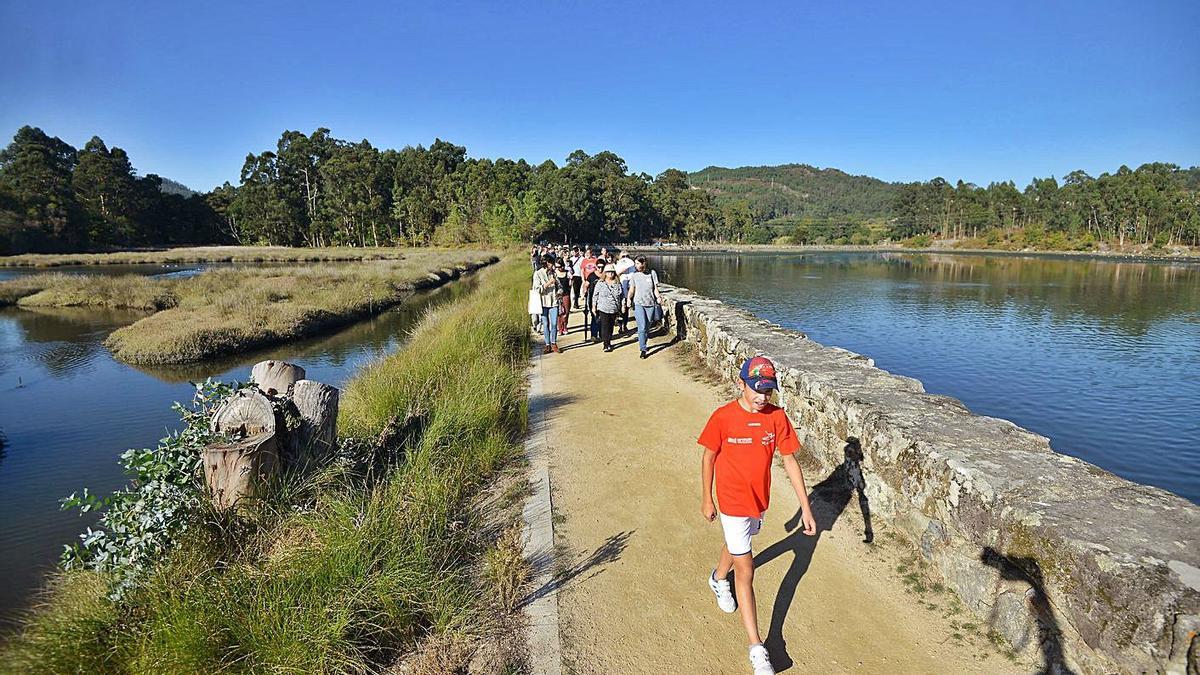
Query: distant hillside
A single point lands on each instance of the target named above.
(171, 187)
(794, 191)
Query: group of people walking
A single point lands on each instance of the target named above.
(607, 285)
(740, 440)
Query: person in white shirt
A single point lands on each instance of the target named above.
(576, 274)
(625, 269)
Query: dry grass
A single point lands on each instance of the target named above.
(505, 568)
(227, 311)
(207, 254)
(13, 290)
(114, 292)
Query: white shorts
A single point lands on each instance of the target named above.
(738, 530)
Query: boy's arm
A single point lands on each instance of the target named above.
(796, 475)
(707, 508)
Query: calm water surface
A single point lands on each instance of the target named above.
(68, 410)
(1101, 357)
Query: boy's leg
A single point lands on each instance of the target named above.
(743, 581)
(738, 531)
(724, 563)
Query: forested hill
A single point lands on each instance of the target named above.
(795, 191)
(172, 187)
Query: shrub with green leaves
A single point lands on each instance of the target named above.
(144, 521)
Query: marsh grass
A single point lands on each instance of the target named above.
(112, 292)
(12, 290)
(221, 312)
(199, 254)
(227, 311)
(356, 566)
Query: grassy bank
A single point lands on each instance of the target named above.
(226, 311)
(386, 555)
(206, 254)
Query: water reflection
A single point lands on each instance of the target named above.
(1101, 356)
(61, 340)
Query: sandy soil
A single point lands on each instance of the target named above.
(635, 552)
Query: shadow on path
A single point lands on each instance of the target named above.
(609, 551)
(828, 499)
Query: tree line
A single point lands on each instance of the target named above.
(317, 190)
(56, 198)
(1156, 203)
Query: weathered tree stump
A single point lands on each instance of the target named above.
(247, 412)
(284, 423)
(276, 377)
(237, 470)
(316, 436)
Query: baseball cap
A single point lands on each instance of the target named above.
(759, 373)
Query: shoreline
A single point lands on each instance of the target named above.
(1114, 256)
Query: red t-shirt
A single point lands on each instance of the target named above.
(744, 443)
(588, 266)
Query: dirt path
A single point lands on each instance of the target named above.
(634, 551)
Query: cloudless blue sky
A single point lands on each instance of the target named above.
(904, 91)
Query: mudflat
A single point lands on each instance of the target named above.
(634, 551)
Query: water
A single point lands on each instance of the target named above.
(165, 270)
(1101, 357)
(68, 410)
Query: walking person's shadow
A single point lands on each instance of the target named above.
(828, 499)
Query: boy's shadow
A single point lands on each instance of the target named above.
(828, 499)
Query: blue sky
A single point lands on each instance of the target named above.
(902, 91)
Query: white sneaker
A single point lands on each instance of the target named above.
(725, 599)
(760, 661)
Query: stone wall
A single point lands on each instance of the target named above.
(1090, 571)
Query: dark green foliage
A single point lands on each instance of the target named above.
(1155, 204)
(54, 198)
(317, 190)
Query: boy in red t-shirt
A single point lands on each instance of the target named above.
(739, 441)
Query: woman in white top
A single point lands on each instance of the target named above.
(644, 295)
(548, 288)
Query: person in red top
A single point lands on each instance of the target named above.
(739, 441)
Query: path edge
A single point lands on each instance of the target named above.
(541, 612)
